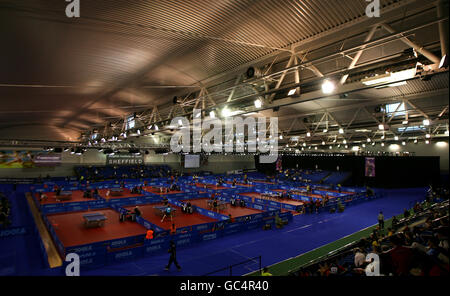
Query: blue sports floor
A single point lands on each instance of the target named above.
(304, 234)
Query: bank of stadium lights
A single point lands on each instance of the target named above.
(226, 112)
(328, 87)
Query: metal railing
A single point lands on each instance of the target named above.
(230, 267)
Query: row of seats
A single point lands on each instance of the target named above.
(417, 245)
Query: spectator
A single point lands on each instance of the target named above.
(360, 257)
(266, 272)
(401, 256)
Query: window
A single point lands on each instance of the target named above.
(414, 128)
(130, 122)
(391, 108)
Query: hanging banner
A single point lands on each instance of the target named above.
(28, 159)
(125, 159)
(370, 167)
(279, 166)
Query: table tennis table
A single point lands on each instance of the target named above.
(271, 195)
(221, 205)
(116, 191)
(161, 211)
(92, 220)
(64, 195)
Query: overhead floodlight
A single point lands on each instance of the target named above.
(427, 136)
(396, 138)
(405, 122)
(226, 112)
(381, 127)
(396, 78)
(427, 142)
(415, 141)
(403, 143)
(426, 122)
(292, 91)
(328, 87)
(323, 142)
(212, 114)
(368, 140)
(444, 62)
(345, 141)
(258, 103)
(325, 130)
(382, 144)
(156, 127)
(341, 130)
(308, 134)
(281, 137)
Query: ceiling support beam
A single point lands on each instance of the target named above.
(280, 80)
(443, 27)
(420, 49)
(360, 52)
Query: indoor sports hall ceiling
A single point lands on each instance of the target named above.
(62, 77)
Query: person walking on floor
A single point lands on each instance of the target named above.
(381, 220)
(173, 256)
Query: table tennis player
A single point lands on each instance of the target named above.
(167, 212)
